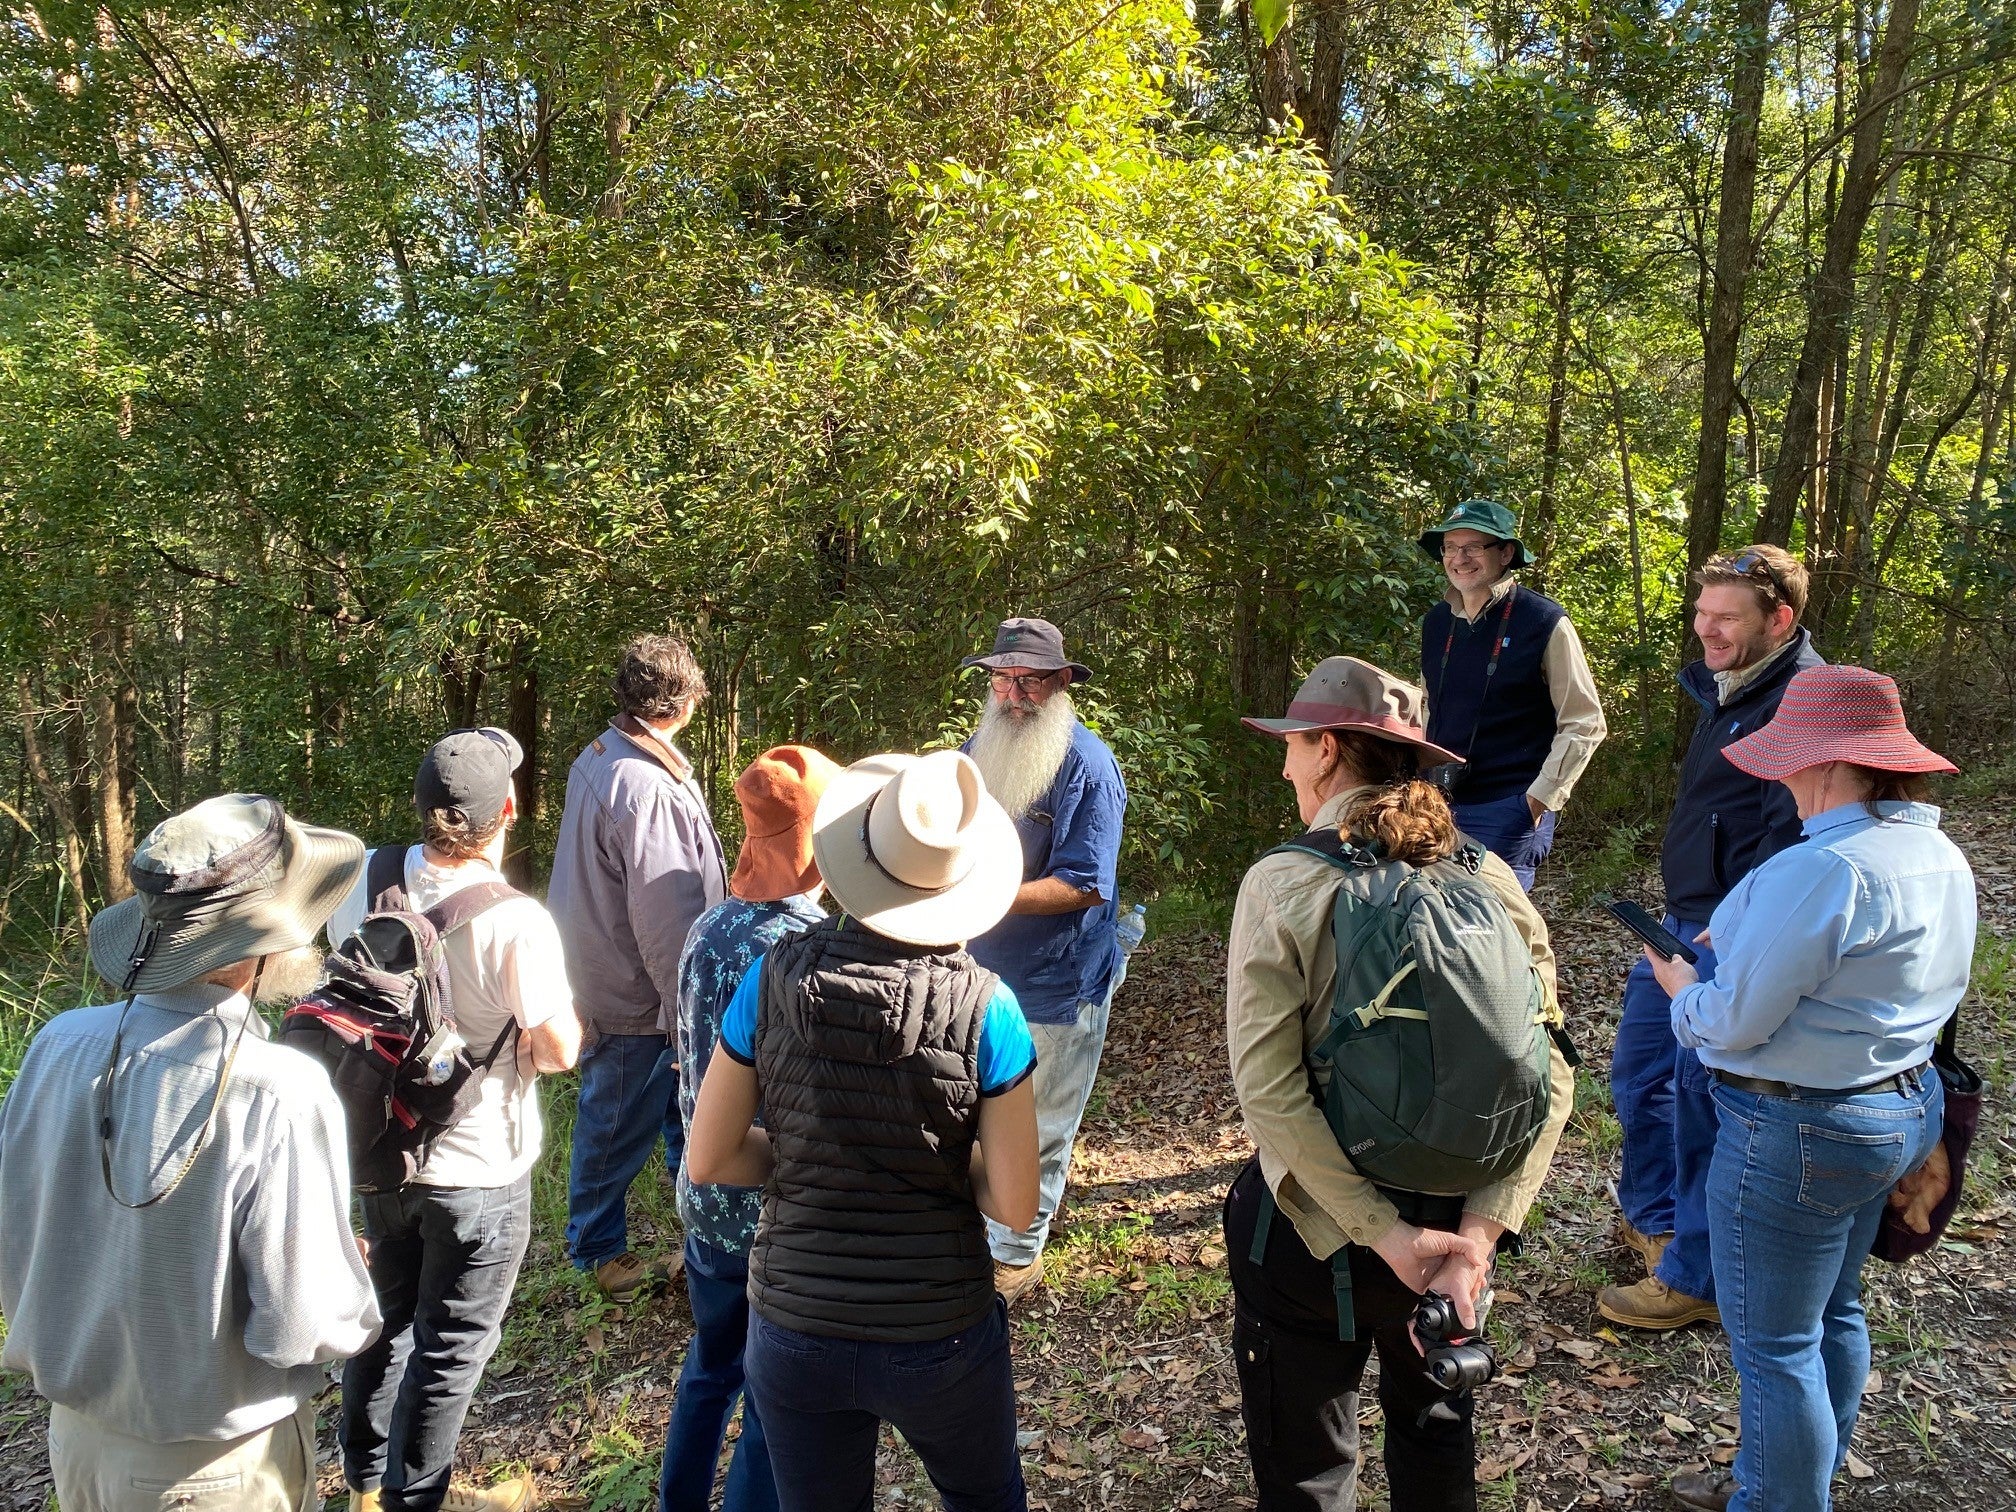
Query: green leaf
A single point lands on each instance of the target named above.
(1271, 16)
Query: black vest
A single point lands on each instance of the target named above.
(1505, 728)
(868, 1059)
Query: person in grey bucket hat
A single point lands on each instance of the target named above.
(176, 1260)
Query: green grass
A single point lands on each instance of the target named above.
(29, 998)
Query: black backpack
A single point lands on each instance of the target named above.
(382, 1024)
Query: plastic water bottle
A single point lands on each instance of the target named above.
(1132, 928)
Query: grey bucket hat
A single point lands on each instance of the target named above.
(229, 880)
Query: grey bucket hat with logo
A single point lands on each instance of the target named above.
(231, 879)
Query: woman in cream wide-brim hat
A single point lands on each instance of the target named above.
(894, 1078)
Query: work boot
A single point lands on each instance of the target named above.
(515, 1495)
(1651, 1303)
(626, 1278)
(1014, 1281)
(1708, 1490)
(1651, 1246)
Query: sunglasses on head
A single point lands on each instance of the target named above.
(1749, 562)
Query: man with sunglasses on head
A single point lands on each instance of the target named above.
(1724, 824)
(1059, 946)
(1509, 690)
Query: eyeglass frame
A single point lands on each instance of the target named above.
(1466, 553)
(1021, 682)
(1744, 561)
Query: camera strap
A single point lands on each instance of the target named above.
(1340, 1267)
(1498, 639)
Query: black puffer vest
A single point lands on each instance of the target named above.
(868, 1057)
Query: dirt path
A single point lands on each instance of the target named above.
(1128, 1396)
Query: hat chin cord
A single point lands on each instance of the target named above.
(142, 949)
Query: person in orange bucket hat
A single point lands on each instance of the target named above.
(774, 891)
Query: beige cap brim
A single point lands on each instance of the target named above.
(863, 890)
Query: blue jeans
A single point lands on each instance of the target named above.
(710, 1380)
(824, 1399)
(1505, 827)
(629, 1096)
(443, 1262)
(1067, 1064)
(1796, 1193)
(1660, 1090)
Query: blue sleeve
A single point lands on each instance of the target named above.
(1085, 842)
(738, 1022)
(1007, 1054)
(1770, 955)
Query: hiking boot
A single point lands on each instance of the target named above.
(1653, 1304)
(515, 1495)
(1708, 1490)
(626, 1278)
(1652, 1247)
(1015, 1281)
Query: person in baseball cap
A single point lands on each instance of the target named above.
(1838, 962)
(465, 777)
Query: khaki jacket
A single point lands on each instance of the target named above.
(1280, 971)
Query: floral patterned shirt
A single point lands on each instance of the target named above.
(726, 941)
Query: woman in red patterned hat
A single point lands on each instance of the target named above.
(1837, 963)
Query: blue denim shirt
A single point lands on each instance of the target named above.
(726, 941)
(1838, 961)
(1057, 961)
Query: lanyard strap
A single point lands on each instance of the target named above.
(1490, 669)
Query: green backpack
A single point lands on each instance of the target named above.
(1437, 1064)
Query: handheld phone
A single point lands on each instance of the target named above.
(1662, 940)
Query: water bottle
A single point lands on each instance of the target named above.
(1132, 927)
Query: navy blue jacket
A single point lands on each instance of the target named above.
(1504, 726)
(1725, 823)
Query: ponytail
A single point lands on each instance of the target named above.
(1407, 817)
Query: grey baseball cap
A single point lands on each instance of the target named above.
(468, 773)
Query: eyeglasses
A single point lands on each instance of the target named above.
(1026, 682)
(1748, 563)
(1464, 553)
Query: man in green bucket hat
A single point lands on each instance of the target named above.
(1509, 688)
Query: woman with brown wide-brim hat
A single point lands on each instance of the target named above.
(1838, 961)
(1355, 748)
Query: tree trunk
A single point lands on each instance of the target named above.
(1734, 253)
(1280, 80)
(71, 854)
(1540, 527)
(522, 720)
(1834, 285)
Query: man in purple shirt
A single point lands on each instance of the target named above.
(1058, 947)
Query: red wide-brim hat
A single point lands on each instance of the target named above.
(1835, 714)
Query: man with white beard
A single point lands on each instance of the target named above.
(1057, 948)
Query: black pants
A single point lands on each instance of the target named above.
(1298, 1382)
(443, 1261)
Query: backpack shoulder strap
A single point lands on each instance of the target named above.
(465, 904)
(385, 880)
(1328, 845)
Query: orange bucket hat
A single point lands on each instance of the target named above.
(779, 792)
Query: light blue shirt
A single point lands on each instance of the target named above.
(1838, 960)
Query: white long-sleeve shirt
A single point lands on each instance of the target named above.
(210, 1314)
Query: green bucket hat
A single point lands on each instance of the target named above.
(1484, 517)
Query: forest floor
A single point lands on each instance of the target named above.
(1128, 1396)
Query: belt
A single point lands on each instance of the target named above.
(1906, 1083)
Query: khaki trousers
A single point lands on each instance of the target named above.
(99, 1469)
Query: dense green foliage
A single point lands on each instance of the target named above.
(365, 370)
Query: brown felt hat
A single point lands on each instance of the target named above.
(1344, 693)
(779, 792)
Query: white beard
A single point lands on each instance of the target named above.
(290, 975)
(1021, 758)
